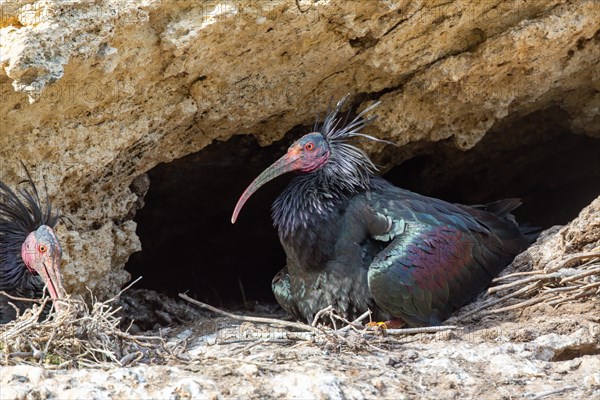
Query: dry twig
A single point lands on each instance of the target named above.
(77, 336)
(260, 320)
(311, 332)
(561, 281)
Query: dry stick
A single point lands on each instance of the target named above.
(251, 345)
(514, 275)
(20, 354)
(124, 290)
(526, 303)
(559, 289)
(590, 286)
(351, 325)
(589, 263)
(319, 314)
(259, 320)
(111, 313)
(555, 391)
(577, 257)
(17, 311)
(135, 338)
(2, 292)
(238, 361)
(270, 337)
(24, 325)
(332, 317)
(576, 296)
(171, 352)
(500, 300)
(37, 354)
(590, 256)
(262, 320)
(555, 301)
(549, 276)
(135, 356)
(48, 345)
(523, 281)
(424, 329)
(581, 295)
(593, 271)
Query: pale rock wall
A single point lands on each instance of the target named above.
(97, 93)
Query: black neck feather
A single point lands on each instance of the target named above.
(348, 170)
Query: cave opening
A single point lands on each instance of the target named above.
(189, 243)
(536, 158)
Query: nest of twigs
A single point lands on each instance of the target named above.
(572, 278)
(77, 337)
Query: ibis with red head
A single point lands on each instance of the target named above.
(30, 252)
(356, 242)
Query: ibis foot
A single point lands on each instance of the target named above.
(394, 323)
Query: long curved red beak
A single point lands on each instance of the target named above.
(53, 279)
(287, 163)
(46, 264)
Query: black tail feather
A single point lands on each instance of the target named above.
(500, 208)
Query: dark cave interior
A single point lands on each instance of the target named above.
(190, 245)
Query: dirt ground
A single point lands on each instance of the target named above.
(541, 352)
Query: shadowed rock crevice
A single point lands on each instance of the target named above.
(188, 240)
(189, 243)
(535, 158)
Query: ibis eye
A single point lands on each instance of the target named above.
(42, 248)
(310, 146)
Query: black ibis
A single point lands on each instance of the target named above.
(356, 242)
(30, 253)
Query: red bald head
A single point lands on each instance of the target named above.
(307, 154)
(42, 253)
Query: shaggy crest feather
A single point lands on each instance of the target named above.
(21, 212)
(347, 171)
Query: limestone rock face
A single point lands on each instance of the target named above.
(555, 245)
(94, 94)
